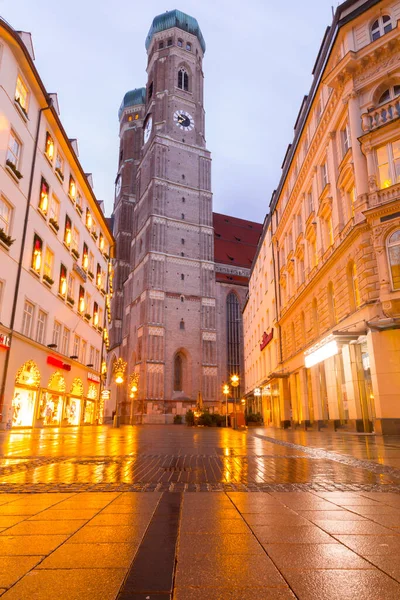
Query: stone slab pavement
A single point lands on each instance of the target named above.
(325, 526)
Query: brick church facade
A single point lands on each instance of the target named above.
(181, 271)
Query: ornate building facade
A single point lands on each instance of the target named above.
(171, 322)
(333, 238)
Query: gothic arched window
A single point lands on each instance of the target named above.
(234, 334)
(381, 26)
(178, 373)
(183, 79)
(393, 250)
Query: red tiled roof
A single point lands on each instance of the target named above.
(232, 279)
(235, 240)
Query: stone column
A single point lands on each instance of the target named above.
(304, 398)
(316, 392)
(337, 207)
(331, 387)
(352, 390)
(359, 161)
(284, 401)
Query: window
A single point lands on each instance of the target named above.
(91, 356)
(324, 175)
(381, 26)
(14, 150)
(315, 316)
(91, 264)
(77, 346)
(75, 240)
(95, 314)
(72, 188)
(99, 277)
(183, 79)
(234, 336)
(150, 91)
(54, 211)
(393, 250)
(310, 203)
(389, 94)
(183, 216)
(37, 253)
(318, 113)
(180, 43)
(182, 241)
(65, 341)
(97, 360)
(160, 45)
(60, 166)
(49, 147)
(89, 220)
(5, 215)
(169, 42)
(21, 95)
(56, 333)
(345, 135)
(62, 288)
(44, 196)
(2, 285)
(182, 276)
(388, 158)
(331, 304)
(48, 264)
(178, 373)
(79, 202)
(82, 357)
(182, 324)
(41, 327)
(67, 231)
(81, 304)
(188, 47)
(71, 286)
(27, 318)
(85, 257)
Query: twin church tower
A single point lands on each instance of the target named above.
(176, 311)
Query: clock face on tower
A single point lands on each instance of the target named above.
(183, 120)
(147, 129)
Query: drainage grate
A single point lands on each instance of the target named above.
(174, 469)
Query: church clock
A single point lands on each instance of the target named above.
(147, 129)
(183, 120)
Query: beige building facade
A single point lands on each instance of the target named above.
(333, 238)
(55, 247)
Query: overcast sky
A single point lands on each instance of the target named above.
(257, 68)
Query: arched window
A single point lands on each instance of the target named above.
(315, 316)
(354, 289)
(381, 26)
(393, 250)
(303, 328)
(331, 304)
(234, 335)
(389, 94)
(183, 79)
(178, 373)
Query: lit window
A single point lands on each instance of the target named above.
(72, 188)
(48, 265)
(393, 250)
(95, 314)
(27, 318)
(89, 220)
(389, 94)
(21, 95)
(60, 166)
(91, 264)
(85, 257)
(56, 333)
(381, 26)
(65, 341)
(68, 231)
(99, 277)
(62, 288)
(71, 286)
(44, 196)
(5, 215)
(37, 253)
(13, 151)
(81, 304)
(41, 327)
(388, 158)
(49, 149)
(183, 79)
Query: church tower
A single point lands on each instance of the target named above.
(164, 304)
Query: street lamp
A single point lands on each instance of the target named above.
(119, 369)
(133, 386)
(225, 391)
(235, 383)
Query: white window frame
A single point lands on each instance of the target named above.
(65, 341)
(388, 247)
(56, 333)
(41, 326)
(76, 346)
(14, 153)
(24, 97)
(380, 29)
(48, 268)
(4, 224)
(27, 318)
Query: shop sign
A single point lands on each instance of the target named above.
(93, 377)
(266, 338)
(327, 350)
(5, 341)
(57, 362)
(105, 395)
(80, 271)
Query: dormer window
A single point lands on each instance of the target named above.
(381, 26)
(183, 79)
(389, 94)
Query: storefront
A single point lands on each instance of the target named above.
(27, 382)
(73, 404)
(51, 403)
(89, 405)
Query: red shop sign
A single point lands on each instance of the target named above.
(57, 362)
(266, 338)
(4, 340)
(93, 377)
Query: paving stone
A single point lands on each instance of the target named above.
(13, 568)
(91, 556)
(44, 527)
(300, 557)
(26, 545)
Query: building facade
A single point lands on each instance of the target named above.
(168, 320)
(333, 235)
(54, 255)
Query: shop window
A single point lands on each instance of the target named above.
(41, 327)
(44, 196)
(67, 231)
(183, 79)
(5, 215)
(27, 382)
(27, 318)
(62, 287)
(65, 341)
(37, 253)
(56, 334)
(331, 304)
(22, 95)
(49, 147)
(72, 188)
(51, 401)
(388, 159)
(393, 251)
(381, 26)
(60, 166)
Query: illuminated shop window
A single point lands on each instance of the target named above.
(44, 196)
(49, 147)
(388, 159)
(393, 250)
(37, 253)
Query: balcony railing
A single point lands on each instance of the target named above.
(383, 114)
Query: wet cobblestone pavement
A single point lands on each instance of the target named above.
(303, 515)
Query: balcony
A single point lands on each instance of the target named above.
(386, 113)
